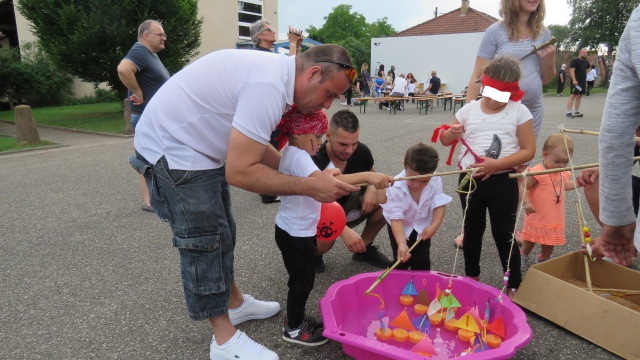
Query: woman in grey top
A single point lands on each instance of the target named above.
(520, 29)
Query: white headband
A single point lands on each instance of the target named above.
(495, 94)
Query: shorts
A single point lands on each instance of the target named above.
(197, 206)
(576, 91)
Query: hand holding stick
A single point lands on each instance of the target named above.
(386, 272)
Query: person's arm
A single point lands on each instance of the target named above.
(244, 169)
(428, 88)
(127, 73)
(295, 40)
(616, 141)
(547, 64)
(358, 88)
(572, 72)
(473, 88)
(397, 228)
(378, 180)
(429, 231)
(528, 183)
(454, 132)
(527, 143)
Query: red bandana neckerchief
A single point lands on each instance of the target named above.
(296, 123)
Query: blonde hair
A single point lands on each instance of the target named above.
(510, 12)
(556, 140)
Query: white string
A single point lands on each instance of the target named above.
(464, 220)
(516, 226)
(573, 176)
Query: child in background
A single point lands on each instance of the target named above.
(298, 218)
(415, 208)
(544, 203)
(411, 87)
(497, 136)
(379, 87)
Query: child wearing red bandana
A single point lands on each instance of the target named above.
(496, 134)
(298, 218)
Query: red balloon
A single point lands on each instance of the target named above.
(332, 222)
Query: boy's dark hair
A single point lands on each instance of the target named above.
(503, 68)
(421, 158)
(345, 120)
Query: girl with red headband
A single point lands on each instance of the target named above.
(298, 218)
(497, 136)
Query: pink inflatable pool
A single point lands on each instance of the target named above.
(352, 318)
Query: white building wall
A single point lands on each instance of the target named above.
(452, 56)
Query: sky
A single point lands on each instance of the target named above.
(401, 14)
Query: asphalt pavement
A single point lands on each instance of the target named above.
(86, 274)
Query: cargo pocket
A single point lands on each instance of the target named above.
(201, 263)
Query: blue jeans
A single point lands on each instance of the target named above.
(197, 205)
(134, 120)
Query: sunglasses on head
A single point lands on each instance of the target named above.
(350, 70)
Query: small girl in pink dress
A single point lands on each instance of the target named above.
(544, 201)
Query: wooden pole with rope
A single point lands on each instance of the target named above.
(424, 176)
(568, 168)
(581, 223)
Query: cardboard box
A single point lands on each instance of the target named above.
(556, 290)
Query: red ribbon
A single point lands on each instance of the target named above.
(437, 132)
(512, 87)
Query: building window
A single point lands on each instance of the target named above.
(249, 11)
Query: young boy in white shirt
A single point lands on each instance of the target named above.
(415, 208)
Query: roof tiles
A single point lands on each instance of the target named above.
(452, 22)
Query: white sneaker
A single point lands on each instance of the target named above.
(252, 309)
(242, 347)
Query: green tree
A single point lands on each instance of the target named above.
(29, 77)
(89, 38)
(351, 30)
(562, 34)
(597, 22)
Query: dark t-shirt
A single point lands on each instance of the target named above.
(435, 85)
(361, 160)
(564, 75)
(151, 73)
(580, 66)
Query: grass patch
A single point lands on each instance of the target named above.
(103, 117)
(10, 143)
(548, 91)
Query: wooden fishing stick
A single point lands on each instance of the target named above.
(585, 257)
(581, 131)
(386, 272)
(618, 292)
(568, 168)
(585, 132)
(430, 175)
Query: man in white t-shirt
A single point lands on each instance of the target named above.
(208, 127)
(399, 86)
